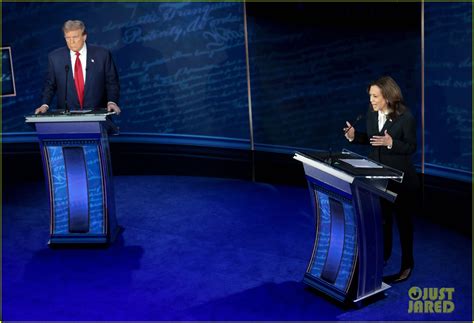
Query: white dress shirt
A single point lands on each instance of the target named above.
(83, 58)
(382, 119)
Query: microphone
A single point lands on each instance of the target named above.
(329, 160)
(66, 108)
(360, 116)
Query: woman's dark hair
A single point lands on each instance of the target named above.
(392, 93)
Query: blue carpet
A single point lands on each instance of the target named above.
(201, 249)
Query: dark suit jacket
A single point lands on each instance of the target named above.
(403, 132)
(101, 84)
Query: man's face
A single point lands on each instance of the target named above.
(75, 39)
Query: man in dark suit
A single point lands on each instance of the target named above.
(92, 79)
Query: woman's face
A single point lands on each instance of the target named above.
(377, 100)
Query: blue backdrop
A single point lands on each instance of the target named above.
(448, 90)
(311, 64)
(181, 66)
(183, 74)
(8, 85)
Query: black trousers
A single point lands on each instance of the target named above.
(402, 210)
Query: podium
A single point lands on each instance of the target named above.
(76, 163)
(345, 189)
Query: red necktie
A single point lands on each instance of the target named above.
(79, 79)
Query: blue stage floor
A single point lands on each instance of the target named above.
(202, 249)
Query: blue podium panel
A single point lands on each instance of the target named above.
(78, 195)
(338, 267)
(76, 159)
(370, 240)
(347, 258)
(333, 263)
(77, 188)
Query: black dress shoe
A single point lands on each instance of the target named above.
(403, 275)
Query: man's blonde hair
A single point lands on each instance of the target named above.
(74, 25)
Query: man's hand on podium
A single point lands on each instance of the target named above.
(112, 106)
(42, 109)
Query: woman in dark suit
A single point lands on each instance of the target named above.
(391, 131)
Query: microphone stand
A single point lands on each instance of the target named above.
(360, 116)
(66, 107)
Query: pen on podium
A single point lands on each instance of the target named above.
(354, 123)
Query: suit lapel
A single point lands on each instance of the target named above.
(374, 123)
(67, 61)
(90, 65)
(73, 100)
(389, 124)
